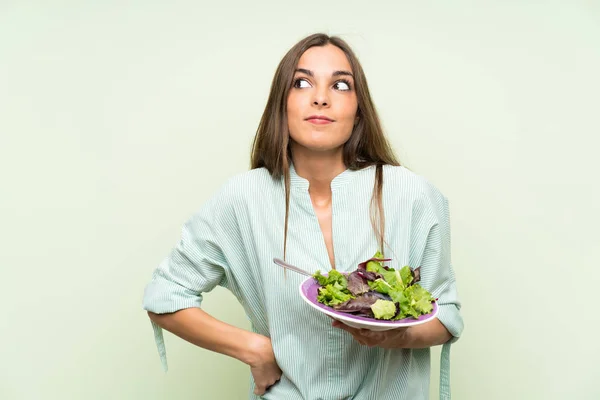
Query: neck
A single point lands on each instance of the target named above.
(319, 169)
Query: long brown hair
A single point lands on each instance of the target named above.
(367, 145)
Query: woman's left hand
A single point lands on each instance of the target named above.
(390, 339)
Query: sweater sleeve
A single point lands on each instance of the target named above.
(437, 274)
(196, 265)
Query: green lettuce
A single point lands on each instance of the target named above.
(413, 302)
(332, 296)
(380, 285)
(406, 275)
(384, 309)
(399, 294)
(374, 265)
(333, 278)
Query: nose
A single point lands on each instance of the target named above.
(321, 98)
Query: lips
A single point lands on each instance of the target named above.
(319, 119)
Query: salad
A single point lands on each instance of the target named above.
(374, 290)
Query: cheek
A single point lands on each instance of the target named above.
(292, 105)
(352, 110)
(349, 113)
(293, 112)
(347, 110)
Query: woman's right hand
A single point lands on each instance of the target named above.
(263, 365)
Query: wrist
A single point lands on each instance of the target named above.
(409, 338)
(430, 334)
(257, 346)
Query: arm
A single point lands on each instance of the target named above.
(200, 328)
(194, 267)
(429, 334)
(437, 276)
(432, 333)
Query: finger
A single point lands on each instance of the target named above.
(354, 332)
(269, 386)
(345, 327)
(338, 324)
(360, 339)
(373, 335)
(368, 343)
(363, 336)
(365, 332)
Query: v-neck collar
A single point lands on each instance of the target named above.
(338, 182)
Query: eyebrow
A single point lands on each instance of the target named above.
(335, 73)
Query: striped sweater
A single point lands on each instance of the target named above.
(232, 240)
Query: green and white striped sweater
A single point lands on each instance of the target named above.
(233, 238)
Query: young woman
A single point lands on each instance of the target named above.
(325, 191)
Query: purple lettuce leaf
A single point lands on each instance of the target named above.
(416, 275)
(368, 275)
(357, 284)
(361, 305)
(363, 265)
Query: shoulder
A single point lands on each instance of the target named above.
(415, 191)
(249, 179)
(244, 187)
(405, 182)
(232, 197)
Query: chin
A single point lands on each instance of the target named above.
(322, 147)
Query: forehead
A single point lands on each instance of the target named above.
(324, 59)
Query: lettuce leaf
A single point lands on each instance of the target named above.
(331, 295)
(406, 275)
(360, 305)
(334, 277)
(384, 309)
(393, 278)
(413, 302)
(357, 284)
(321, 279)
(380, 285)
(420, 299)
(374, 264)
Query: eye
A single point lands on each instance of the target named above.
(342, 85)
(301, 83)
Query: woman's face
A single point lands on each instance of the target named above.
(322, 103)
